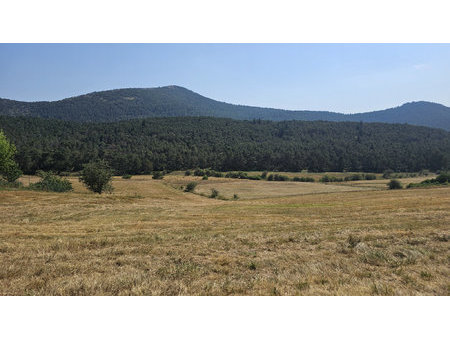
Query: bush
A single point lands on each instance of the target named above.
(277, 177)
(96, 176)
(126, 176)
(51, 182)
(187, 173)
(394, 184)
(158, 175)
(214, 193)
(199, 172)
(264, 175)
(327, 178)
(207, 172)
(6, 184)
(235, 197)
(204, 177)
(370, 177)
(190, 187)
(354, 177)
(239, 174)
(443, 177)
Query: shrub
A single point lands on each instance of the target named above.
(205, 177)
(327, 178)
(126, 176)
(264, 175)
(370, 177)
(239, 174)
(158, 175)
(235, 197)
(277, 177)
(199, 172)
(96, 176)
(394, 184)
(6, 184)
(443, 177)
(51, 182)
(187, 173)
(190, 187)
(354, 177)
(214, 193)
(303, 179)
(353, 241)
(424, 172)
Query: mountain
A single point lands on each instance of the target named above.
(171, 101)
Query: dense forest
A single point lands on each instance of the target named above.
(170, 101)
(141, 146)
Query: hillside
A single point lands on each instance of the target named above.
(171, 101)
(140, 146)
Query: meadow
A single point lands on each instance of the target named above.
(149, 237)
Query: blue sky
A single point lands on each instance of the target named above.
(344, 78)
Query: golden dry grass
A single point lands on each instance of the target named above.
(149, 238)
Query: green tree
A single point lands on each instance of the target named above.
(9, 169)
(96, 176)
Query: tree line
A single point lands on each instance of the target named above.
(142, 146)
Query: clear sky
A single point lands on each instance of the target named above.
(345, 78)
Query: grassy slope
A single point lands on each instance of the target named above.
(148, 238)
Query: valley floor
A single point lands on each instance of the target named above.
(279, 238)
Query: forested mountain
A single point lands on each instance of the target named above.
(140, 146)
(125, 104)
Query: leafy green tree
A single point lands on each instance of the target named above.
(9, 169)
(96, 176)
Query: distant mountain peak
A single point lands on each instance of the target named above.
(174, 100)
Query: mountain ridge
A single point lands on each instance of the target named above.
(170, 101)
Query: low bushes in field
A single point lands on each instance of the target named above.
(370, 177)
(207, 172)
(360, 177)
(277, 177)
(6, 184)
(51, 182)
(214, 193)
(126, 176)
(392, 174)
(326, 178)
(190, 187)
(441, 179)
(158, 175)
(395, 184)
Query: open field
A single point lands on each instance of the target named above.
(279, 238)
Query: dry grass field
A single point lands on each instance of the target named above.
(280, 238)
